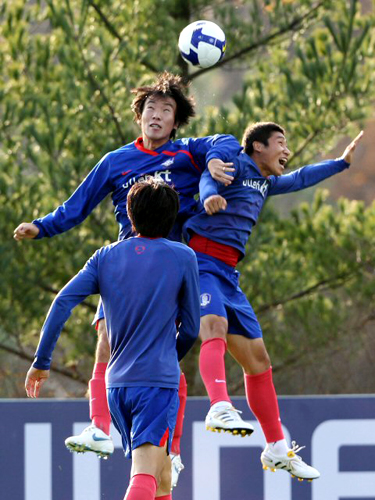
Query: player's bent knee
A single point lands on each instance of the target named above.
(212, 327)
(262, 358)
(257, 365)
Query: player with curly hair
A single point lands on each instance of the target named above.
(159, 109)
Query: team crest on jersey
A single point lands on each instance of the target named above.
(168, 162)
(205, 299)
(139, 249)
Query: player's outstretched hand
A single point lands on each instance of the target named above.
(26, 230)
(34, 380)
(348, 153)
(214, 203)
(218, 169)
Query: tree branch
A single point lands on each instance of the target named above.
(333, 98)
(367, 319)
(292, 26)
(319, 286)
(116, 34)
(92, 78)
(62, 371)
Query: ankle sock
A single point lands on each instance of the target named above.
(220, 405)
(279, 447)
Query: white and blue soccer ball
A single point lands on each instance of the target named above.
(202, 43)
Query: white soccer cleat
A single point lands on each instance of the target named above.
(91, 439)
(290, 462)
(177, 467)
(227, 420)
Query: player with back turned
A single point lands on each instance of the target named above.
(133, 277)
(160, 109)
(219, 234)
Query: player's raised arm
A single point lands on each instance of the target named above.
(310, 175)
(216, 152)
(26, 231)
(349, 150)
(218, 169)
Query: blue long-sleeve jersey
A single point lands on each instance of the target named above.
(246, 196)
(179, 163)
(145, 285)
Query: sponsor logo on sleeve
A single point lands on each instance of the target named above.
(257, 185)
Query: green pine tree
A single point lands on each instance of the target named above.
(68, 67)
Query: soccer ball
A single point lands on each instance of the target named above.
(202, 43)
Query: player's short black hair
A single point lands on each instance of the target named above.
(260, 132)
(166, 85)
(152, 207)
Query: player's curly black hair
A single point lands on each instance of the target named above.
(166, 85)
(260, 132)
(152, 207)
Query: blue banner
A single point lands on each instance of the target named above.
(338, 432)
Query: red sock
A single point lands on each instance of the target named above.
(212, 369)
(141, 487)
(262, 400)
(182, 394)
(99, 412)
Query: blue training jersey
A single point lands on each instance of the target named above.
(146, 285)
(246, 196)
(179, 163)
